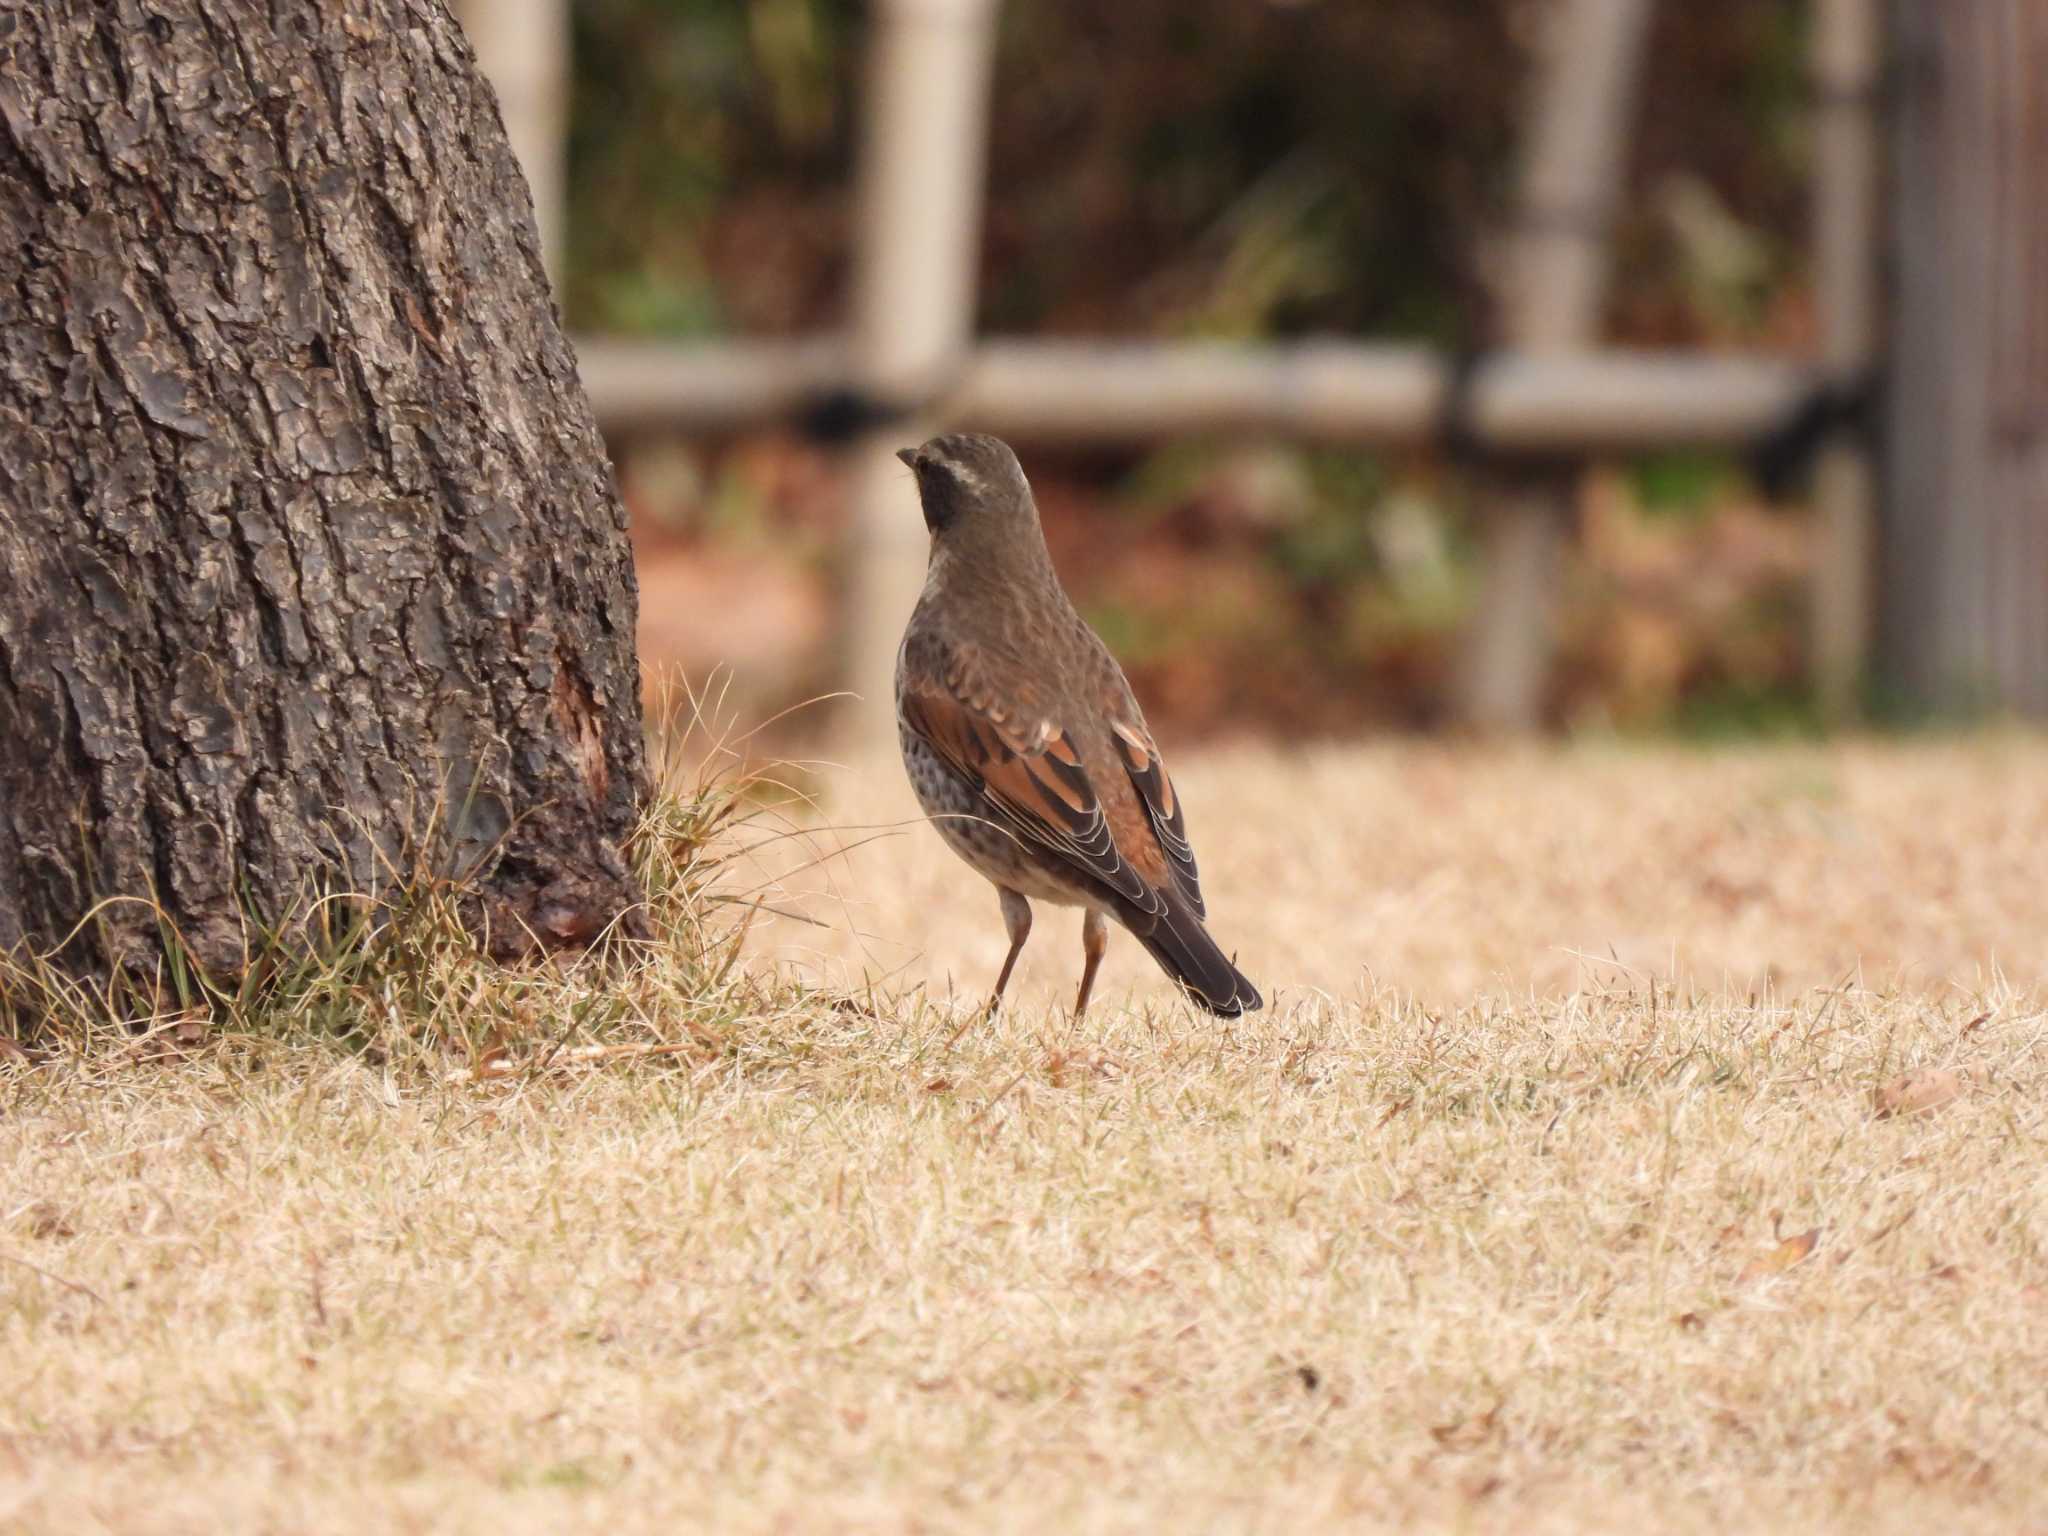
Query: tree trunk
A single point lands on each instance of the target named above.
(312, 572)
(1965, 565)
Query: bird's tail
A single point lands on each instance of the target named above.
(1184, 950)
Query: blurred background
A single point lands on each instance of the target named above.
(748, 203)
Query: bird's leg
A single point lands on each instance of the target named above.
(1016, 918)
(1094, 940)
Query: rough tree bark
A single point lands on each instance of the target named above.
(305, 527)
(1964, 618)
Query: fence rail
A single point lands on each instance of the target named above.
(1071, 392)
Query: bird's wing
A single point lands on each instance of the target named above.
(998, 733)
(1169, 826)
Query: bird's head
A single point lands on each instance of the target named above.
(972, 487)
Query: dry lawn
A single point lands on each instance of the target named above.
(1444, 874)
(1503, 1239)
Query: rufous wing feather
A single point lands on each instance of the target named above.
(1169, 824)
(1035, 784)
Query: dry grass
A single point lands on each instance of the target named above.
(1443, 874)
(1527, 1258)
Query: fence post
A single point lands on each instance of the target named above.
(522, 47)
(1962, 623)
(1553, 287)
(1847, 43)
(918, 191)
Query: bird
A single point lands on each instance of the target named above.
(1024, 744)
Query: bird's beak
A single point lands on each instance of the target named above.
(911, 457)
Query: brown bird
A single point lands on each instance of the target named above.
(1024, 744)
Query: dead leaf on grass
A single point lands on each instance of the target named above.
(1922, 1089)
(492, 1066)
(497, 1062)
(44, 1221)
(1793, 1250)
(1479, 1489)
(1467, 1434)
(175, 1038)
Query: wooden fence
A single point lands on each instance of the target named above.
(1552, 390)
